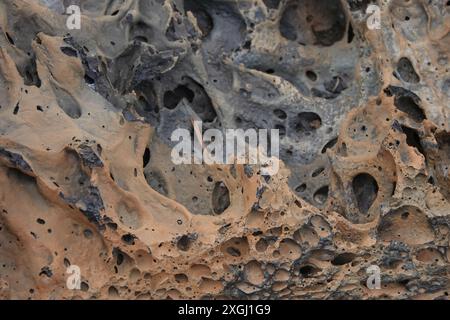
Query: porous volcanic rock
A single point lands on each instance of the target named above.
(86, 176)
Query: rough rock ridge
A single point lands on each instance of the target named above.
(86, 177)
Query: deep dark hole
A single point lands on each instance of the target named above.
(394, 185)
(280, 114)
(330, 144)
(308, 121)
(317, 172)
(204, 20)
(128, 239)
(311, 75)
(301, 188)
(184, 243)
(31, 76)
(350, 33)
(336, 16)
(10, 39)
(406, 101)
(443, 140)
(69, 51)
(307, 271)
(272, 4)
(84, 286)
(282, 130)
(343, 258)
(220, 198)
(410, 107)
(146, 157)
(112, 225)
(172, 98)
(88, 79)
(321, 195)
(67, 263)
(365, 189)
(413, 139)
(119, 257)
(46, 271)
(288, 22)
(404, 282)
(359, 5)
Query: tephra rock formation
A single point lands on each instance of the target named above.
(86, 177)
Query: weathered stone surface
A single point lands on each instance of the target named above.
(86, 177)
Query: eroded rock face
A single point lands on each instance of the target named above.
(87, 179)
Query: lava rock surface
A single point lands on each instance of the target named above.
(86, 176)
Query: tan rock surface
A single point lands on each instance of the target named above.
(86, 177)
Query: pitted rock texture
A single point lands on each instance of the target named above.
(86, 177)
